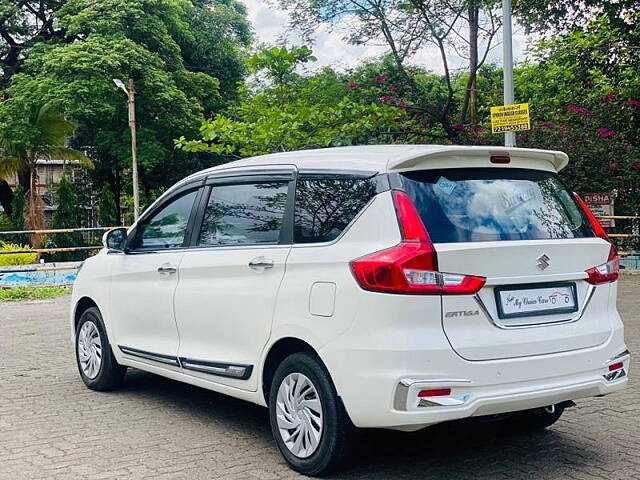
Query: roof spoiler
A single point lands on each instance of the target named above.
(413, 159)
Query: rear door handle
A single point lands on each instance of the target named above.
(167, 269)
(261, 263)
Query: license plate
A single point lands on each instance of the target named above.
(540, 299)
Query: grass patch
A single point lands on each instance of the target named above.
(31, 293)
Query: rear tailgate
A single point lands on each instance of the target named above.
(473, 324)
(522, 230)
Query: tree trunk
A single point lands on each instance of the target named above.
(6, 195)
(474, 12)
(34, 219)
(24, 180)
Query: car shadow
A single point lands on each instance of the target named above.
(465, 449)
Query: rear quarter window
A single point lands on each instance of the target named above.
(489, 204)
(324, 206)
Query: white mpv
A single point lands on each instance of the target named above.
(385, 286)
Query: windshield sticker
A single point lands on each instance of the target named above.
(513, 201)
(446, 186)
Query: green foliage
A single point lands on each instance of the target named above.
(280, 63)
(32, 131)
(66, 214)
(561, 16)
(32, 293)
(295, 113)
(17, 204)
(24, 24)
(5, 223)
(17, 258)
(107, 208)
(181, 54)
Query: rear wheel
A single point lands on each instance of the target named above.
(97, 365)
(308, 421)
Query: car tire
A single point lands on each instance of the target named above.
(97, 366)
(536, 419)
(303, 397)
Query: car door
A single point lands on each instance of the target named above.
(145, 278)
(228, 283)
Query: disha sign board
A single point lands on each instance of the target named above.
(601, 204)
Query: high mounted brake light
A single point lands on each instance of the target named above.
(610, 270)
(412, 266)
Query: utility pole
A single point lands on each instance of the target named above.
(507, 68)
(131, 102)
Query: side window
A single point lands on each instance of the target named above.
(167, 228)
(325, 206)
(244, 214)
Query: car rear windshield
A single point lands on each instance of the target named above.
(489, 204)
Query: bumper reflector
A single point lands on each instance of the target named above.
(441, 392)
(616, 366)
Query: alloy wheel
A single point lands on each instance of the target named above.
(89, 349)
(299, 415)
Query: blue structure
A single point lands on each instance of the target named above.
(39, 275)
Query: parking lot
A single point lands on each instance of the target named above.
(51, 426)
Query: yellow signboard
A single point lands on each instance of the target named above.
(510, 118)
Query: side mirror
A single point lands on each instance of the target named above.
(114, 240)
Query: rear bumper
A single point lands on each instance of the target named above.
(469, 400)
(380, 389)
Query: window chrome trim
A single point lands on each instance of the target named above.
(401, 395)
(156, 357)
(624, 355)
(231, 370)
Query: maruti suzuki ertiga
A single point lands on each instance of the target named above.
(385, 286)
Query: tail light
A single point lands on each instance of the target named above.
(609, 271)
(412, 266)
(595, 224)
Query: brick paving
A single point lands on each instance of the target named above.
(52, 427)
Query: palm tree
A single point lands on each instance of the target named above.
(52, 133)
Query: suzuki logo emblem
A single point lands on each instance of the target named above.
(543, 261)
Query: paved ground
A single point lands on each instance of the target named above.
(52, 427)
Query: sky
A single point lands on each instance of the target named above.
(270, 25)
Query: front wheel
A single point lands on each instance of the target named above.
(97, 365)
(308, 421)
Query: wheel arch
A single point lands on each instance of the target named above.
(83, 304)
(278, 351)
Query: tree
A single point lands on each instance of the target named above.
(42, 133)
(279, 63)
(17, 207)
(295, 112)
(66, 216)
(181, 55)
(552, 17)
(107, 208)
(407, 26)
(23, 24)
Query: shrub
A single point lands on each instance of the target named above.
(31, 293)
(17, 204)
(5, 223)
(17, 258)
